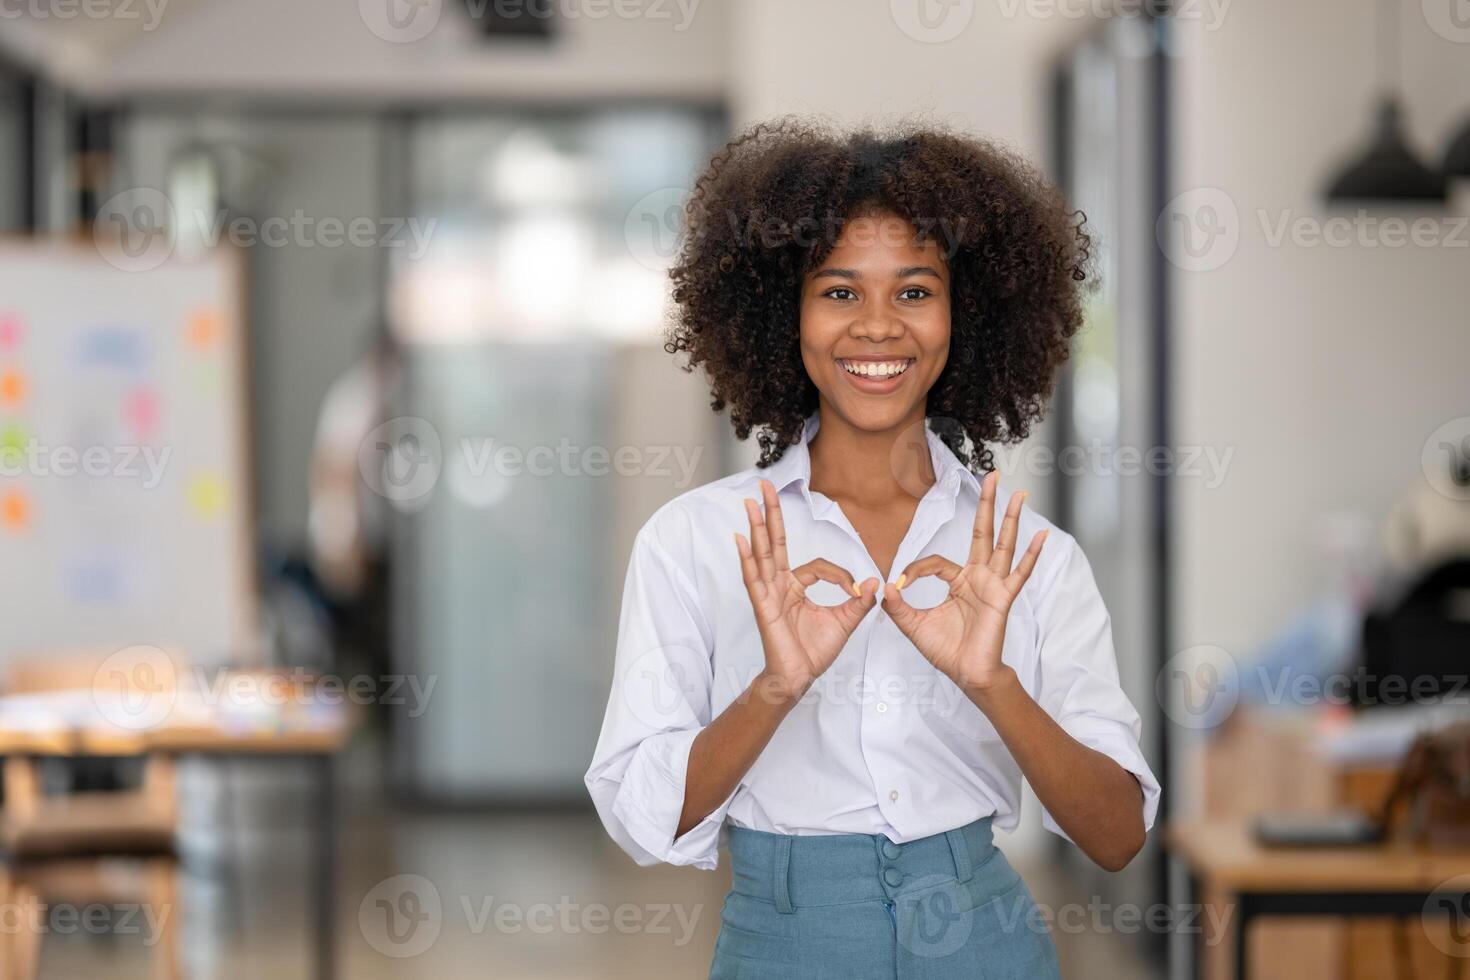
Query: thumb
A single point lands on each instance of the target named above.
(904, 616)
(851, 612)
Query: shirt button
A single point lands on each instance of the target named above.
(880, 615)
(893, 796)
(881, 707)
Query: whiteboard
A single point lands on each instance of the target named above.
(125, 511)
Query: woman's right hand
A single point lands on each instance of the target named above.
(801, 638)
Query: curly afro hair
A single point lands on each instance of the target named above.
(771, 205)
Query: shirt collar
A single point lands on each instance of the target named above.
(795, 465)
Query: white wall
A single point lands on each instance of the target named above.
(856, 62)
(1324, 368)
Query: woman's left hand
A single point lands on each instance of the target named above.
(963, 635)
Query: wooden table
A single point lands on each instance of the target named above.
(71, 723)
(1228, 868)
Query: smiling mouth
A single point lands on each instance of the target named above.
(876, 370)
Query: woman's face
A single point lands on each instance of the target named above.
(875, 323)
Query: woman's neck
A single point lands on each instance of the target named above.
(870, 468)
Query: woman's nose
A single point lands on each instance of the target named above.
(877, 326)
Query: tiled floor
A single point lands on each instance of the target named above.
(509, 896)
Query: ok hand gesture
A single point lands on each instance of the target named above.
(964, 634)
(801, 638)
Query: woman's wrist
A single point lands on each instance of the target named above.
(778, 690)
(993, 688)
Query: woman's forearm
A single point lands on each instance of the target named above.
(1096, 801)
(724, 752)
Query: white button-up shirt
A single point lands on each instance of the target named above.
(883, 743)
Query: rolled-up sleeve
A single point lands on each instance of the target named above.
(660, 702)
(1079, 673)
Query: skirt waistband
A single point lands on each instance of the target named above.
(838, 869)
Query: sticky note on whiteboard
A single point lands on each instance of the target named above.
(206, 496)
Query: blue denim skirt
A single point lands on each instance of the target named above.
(852, 907)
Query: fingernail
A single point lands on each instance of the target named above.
(857, 591)
(902, 579)
(1024, 495)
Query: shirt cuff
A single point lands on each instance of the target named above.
(1116, 741)
(651, 799)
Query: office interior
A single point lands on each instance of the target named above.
(386, 239)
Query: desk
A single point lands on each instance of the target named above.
(1226, 866)
(76, 723)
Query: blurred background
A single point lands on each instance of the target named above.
(332, 394)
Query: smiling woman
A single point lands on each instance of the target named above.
(877, 309)
(982, 242)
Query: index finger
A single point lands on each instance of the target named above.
(777, 525)
(982, 538)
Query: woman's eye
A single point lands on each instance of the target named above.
(840, 293)
(913, 293)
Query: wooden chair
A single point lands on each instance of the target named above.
(81, 847)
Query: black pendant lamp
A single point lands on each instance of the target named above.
(1457, 157)
(1388, 170)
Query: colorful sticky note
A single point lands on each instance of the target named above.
(12, 443)
(9, 331)
(95, 578)
(15, 511)
(12, 388)
(140, 409)
(115, 346)
(205, 330)
(206, 495)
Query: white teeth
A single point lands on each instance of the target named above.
(875, 369)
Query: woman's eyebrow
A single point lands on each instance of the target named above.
(904, 273)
